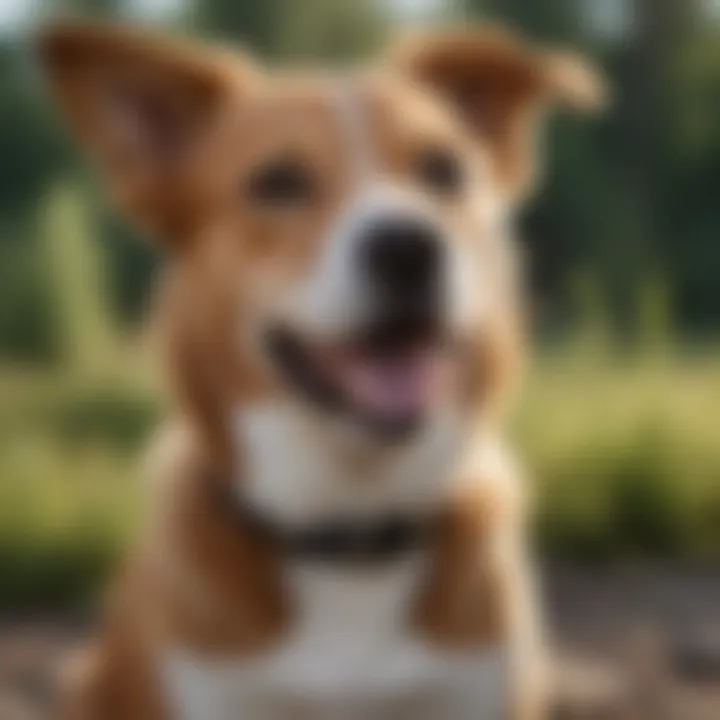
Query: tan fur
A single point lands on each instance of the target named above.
(501, 85)
(198, 578)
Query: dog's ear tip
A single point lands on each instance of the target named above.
(55, 46)
(415, 45)
(68, 31)
(569, 77)
(59, 41)
(51, 40)
(577, 83)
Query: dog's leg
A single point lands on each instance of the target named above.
(108, 681)
(482, 589)
(529, 657)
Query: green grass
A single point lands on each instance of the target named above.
(625, 456)
(69, 482)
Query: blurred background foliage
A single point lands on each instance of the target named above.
(619, 421)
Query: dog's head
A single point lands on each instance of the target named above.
(340, 238)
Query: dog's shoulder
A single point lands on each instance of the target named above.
(218, 583)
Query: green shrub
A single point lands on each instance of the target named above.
(625, 457)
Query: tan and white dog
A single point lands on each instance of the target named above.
(338, 527)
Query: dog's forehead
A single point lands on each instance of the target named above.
(341, 115)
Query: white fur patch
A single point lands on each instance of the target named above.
(350, 657)
(354, 123)
(296, 474)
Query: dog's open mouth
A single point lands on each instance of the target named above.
(389, 377)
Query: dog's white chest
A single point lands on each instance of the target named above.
(351, 656)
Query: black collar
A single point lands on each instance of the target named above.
(350, 541)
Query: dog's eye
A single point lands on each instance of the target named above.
(441, 171)
(282, 183)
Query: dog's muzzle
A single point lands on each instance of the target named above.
(391, 363)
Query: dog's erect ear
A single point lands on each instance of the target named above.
(500, 85)
(138, 103)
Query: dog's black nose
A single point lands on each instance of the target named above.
(403, 256)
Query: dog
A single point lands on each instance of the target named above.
(337, 524)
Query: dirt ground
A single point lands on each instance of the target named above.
(631, 644)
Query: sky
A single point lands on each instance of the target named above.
(14, 11)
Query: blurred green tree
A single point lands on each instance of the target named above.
(331, 29)
(255, 23)
(326, 29)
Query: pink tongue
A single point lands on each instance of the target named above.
(394, 387)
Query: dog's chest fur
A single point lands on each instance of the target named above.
(351, 653)
(350, 656)
(295, 475)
